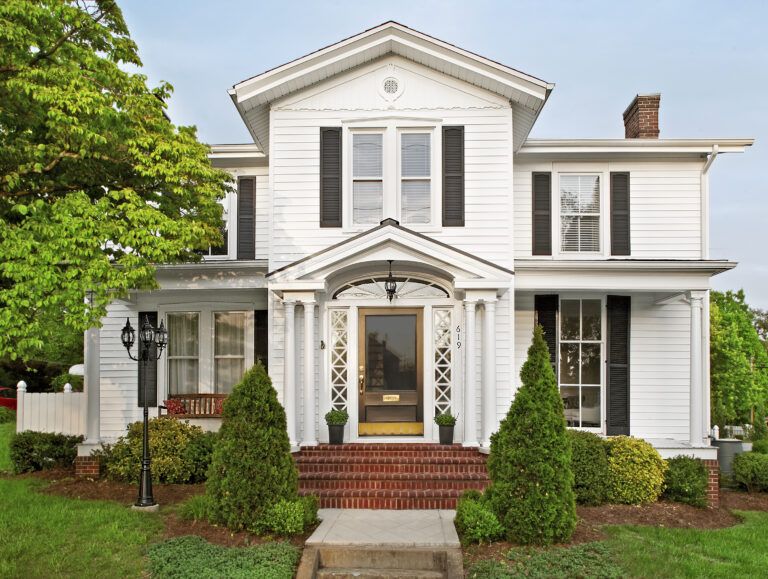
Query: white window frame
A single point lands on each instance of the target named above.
(431, 177)
(580, 170)
(206, 337)
(384, 170)
(602, 341)
(230, 207)
(167, 371)
(391, 128)
(216, 357)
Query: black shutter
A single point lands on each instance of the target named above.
(617, 359)
(246, 218)
(620, 214)
(148, 369)
(542, 213)
(261, 338)
(330, 176)
(453, 176)
(546, 307)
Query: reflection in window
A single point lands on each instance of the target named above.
(580, 367)
(229, 350)
(415, 173)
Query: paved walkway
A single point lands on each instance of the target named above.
(383, 528)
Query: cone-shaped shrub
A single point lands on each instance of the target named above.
(252, 468)
(531, 488)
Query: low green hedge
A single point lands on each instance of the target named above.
(686, 481)
(287, 518)
(181, 453)
(750, 469)
(31, 451)
(7, 415)
(636, 471)
(760, 446)
(475, 521)
(591, 472)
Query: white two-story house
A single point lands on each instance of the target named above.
(394, 238)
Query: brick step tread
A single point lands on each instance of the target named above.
(374, 485)
(384, 493)
(453, 469)
(308, 455)
(388, 446)
(352, 572)
(405, 476)
(373, 459)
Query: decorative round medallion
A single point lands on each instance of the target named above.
(391, 86)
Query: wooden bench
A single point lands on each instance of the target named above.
(195, 405)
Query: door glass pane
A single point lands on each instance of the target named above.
(569, 363)
(590, 363)
(569, 324)
(390, 352)
(590, 311)
(590, 406)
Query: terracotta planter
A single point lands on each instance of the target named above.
(446, 434)
(336, 434)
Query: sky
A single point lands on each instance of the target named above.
(708, 59)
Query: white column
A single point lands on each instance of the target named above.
(470, 386)
(697, 381)
(92, 386)
(289, 376)
(309, 436)
(489, 373)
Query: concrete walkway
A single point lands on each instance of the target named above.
(382, 528)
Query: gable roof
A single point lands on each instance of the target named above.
(252, 96)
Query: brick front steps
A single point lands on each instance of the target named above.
(390, 476)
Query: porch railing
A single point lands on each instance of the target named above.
(195, 405)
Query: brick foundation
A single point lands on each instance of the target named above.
(713, 489)
(87, 467)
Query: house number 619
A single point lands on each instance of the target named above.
(458, 337)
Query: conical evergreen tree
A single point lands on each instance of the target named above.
(531, 488)
(252, 468)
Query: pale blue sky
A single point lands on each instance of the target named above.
(709, 59)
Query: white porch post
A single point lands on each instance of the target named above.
(309, 435)
(470, 385)
(289, 377)
(697, 382)
(489, 372)
(92, 386)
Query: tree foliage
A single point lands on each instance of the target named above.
(96, 183)
(531, 488)
(738, 361)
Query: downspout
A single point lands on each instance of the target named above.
(705, 255)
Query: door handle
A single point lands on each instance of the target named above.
(362, 384)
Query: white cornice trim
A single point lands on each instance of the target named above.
(686, 146)
(705, 266)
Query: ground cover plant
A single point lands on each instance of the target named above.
(531, 489)
(192, 557)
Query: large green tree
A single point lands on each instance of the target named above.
(96, 183)
(738, 361)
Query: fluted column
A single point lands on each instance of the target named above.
(470, 385)
(697, 373)
(309, 437)
(489, 372)
(289, 377)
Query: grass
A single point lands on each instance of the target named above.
(739, 551)
(44, 536)
(6, 432)
(192, 558)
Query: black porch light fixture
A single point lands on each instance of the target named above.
(390, 285)
(148, 336)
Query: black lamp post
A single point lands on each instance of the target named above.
(390, 285)
(147, 337)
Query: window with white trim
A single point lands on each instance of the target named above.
(579, 213)
(183, 352)
(367, 178)
(222, 251)
(580, 363)
(228, 350)
(415, 177)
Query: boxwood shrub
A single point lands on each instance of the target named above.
(31, 451)
(181, 452)
(591, 473)
(750, 469)
(7, 415)
(475, 521)
(686, 481)
(760, 446)
(636, 471)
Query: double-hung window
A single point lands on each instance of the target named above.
(415, 177)
(580, 361)
(183, 352)
(228, 350)
(579, 213)
(367, 178)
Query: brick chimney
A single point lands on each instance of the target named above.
(641, 119)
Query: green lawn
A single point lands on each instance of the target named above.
(6, 431)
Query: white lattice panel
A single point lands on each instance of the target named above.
(443, 360)
(339, 357)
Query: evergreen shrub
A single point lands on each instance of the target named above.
(32, 451)
(760, 446)
(686, 481)
(476, 522)
(531, 489)
(589, 462)
(750, 469)
(636, 471)
(7, 415)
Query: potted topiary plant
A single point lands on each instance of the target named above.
(336, 419)
(446, 421)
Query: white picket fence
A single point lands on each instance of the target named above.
(62, 412)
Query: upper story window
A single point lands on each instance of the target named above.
(367, 178)
(415, 177)
(579, 213)
(222, 250)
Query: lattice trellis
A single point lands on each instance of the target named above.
(339, 355)
(443, 359)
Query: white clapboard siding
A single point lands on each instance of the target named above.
(60, 412)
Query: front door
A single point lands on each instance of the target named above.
(390, 372)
